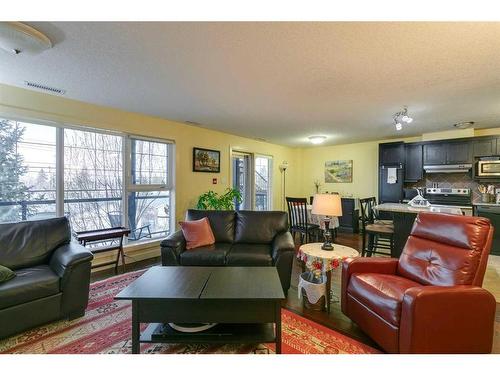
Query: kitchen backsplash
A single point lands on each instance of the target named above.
(450, 180)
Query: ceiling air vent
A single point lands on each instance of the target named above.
(42, 87)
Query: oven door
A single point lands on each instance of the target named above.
(488, 168)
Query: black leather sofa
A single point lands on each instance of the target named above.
(242, 238)
(52, 274)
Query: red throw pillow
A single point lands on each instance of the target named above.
(197, 233)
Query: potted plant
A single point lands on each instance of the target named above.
(215, 201)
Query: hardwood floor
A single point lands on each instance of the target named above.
(335, 320)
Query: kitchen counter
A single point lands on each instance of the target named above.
(405, 208)
(486, 204)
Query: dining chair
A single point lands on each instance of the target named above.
(298, 219)
(376, 234)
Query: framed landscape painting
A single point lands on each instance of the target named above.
(338, 171)
(205, 160)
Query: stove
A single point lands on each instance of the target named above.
(449, 197)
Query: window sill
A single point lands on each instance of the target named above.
(142, 244)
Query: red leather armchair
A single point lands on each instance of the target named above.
(429, 300)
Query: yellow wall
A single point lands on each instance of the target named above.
(365, 162)
(25, 104)
(305, 164)
(365, 168)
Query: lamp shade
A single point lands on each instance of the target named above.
(327, 205)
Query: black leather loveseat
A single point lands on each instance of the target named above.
(242, 238)
(52, 274)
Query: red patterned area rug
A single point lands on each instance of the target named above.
(106, 328)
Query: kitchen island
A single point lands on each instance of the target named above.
(404, 216)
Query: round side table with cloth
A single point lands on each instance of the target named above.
(324, 261)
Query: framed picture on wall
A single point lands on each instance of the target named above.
(338, 171)
(205, 160)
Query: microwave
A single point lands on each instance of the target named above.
(488, 168)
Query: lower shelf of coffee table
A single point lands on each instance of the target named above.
(220, 334)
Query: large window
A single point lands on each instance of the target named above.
(150, 184)
(93, 179)
(27, 171)
(97, 179)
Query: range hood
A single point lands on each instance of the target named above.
(448, 168)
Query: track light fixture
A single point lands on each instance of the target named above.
(401, 118)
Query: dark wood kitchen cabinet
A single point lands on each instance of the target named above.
(440, 153)
(458, 152)
(349, 221)
(484, 147)
(391, 153)
(435, 153)
(414, 162)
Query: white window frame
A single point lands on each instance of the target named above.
(126, 165)
(127, 178)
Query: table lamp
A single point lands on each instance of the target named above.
(327, 205)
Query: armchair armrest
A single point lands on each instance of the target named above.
(283, 242)
(68, 256)
(447, 319)
(171, 248)
(364, 265)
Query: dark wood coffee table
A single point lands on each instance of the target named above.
(246, 301)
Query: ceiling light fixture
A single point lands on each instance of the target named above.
(401, 117)
(463, 124)
(317, 139)
(17, 37)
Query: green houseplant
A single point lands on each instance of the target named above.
(215, 201)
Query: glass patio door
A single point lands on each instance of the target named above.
(241, 164)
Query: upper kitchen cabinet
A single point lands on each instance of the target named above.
(414, 162)
(391, 153)
(484, 147)
(439, 153)
(435, 153)
(458, 152)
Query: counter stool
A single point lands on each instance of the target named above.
(379, 233)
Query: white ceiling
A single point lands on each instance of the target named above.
(278, 81)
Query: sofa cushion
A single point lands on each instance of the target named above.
(28, 285)
(197, 233)
(259, 226)
(6, 274)
(244, 254)
(212, 255)
(221, 222)
(381, 293)
(31, 243)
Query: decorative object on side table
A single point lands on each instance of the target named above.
(338, 171)
(205, 160)
(328, 205)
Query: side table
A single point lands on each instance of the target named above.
(324, 261)
(116, 233)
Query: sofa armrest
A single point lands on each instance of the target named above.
(283, 252)
(447, 319)
(72, 263)
(364, 265)
(67, 256)
(283, 242)
(171, 248)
